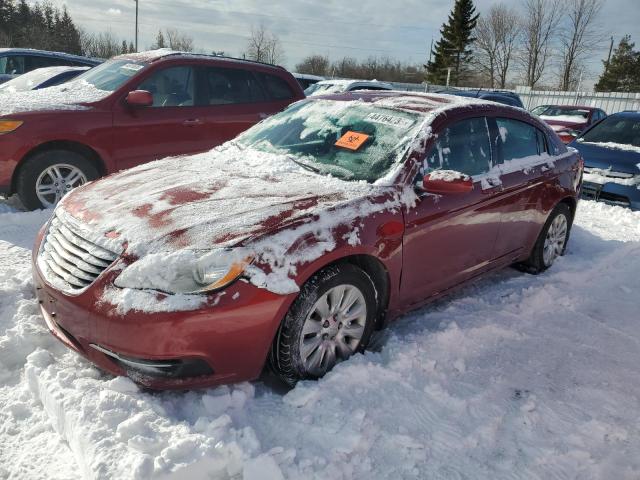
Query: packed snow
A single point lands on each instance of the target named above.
(68, 96)
(615, 146)
(515, 376)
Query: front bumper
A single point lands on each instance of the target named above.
(612, 193)
(226, 341)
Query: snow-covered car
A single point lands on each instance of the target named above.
(41, 78)
(330, 87)
(611, 152)
(568, 121)
(306, 80)
(290, 244)
(18, 61)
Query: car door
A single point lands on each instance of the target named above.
(450, 238)
(174, 125)
(234, 100)
(525, 172)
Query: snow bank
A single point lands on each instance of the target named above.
(535, 375)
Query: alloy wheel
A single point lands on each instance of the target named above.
(56, 181)
(333, 328)
(555, 240)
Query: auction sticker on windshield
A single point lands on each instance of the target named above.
(352, 140)
(392, 120)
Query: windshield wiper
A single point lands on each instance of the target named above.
(306, 165)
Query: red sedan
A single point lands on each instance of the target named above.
(289, 245)
(130, 110)
(569, 121)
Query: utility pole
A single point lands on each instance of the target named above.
(448, 74)
(136, 25)
(606, 67)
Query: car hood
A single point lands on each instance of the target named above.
(221, 198)
(604, 157)
(75, 95)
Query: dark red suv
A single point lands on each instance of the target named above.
(131, 110)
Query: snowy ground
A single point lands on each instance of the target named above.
(514, 377)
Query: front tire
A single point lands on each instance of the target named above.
(551, 242)
(332, 318)
(47, 176)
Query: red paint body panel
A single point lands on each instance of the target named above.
(123, 136)
(427, 249)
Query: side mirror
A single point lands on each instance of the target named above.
(139, 98)
(445, 182)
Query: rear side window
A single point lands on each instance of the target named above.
(463, 147)
(12, 65)
(226, 86)
(171, 87)
(519, 139)
(277, 88)
(33, 62)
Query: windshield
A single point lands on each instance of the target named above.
(322, 88)
(109, 76)
(350, 140)
(622, 130)
(575, 115)
(29, 80)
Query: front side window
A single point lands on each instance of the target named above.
(615, 129)
(171, 87)
(349, 140)
(230, 86)
(463, 147)
(518, 139)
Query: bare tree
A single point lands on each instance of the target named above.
(177, 40)
(264, 46)
(496, 36)
(100, 45)
(539, 24)
(578, 37)
(314, 65)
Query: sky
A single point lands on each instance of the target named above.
(335, 28)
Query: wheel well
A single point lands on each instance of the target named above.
(572, 204)
(87, 152)
(380, 277)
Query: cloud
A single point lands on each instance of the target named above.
(114, 11)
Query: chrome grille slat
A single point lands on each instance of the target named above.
(72, 259)
(86, 245)
(79, 252)
(62, 263)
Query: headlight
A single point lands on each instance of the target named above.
(186, 271)
(7, 126)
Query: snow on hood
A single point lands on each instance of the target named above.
(230, 196)
(573, 119)
(68, 96)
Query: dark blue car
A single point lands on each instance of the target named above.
(16, 61)
(611, 152)
(41, 78)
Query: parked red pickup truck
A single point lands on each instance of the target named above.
(131, 110)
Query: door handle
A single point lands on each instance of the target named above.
(192, 122)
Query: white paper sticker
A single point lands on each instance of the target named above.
(132, 66)
(392, 120)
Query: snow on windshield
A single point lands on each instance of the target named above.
(68, 96)
(565, 115)
(316, 133)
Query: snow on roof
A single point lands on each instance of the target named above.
(151, 55)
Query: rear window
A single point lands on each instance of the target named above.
(519, 139)
(277, 88)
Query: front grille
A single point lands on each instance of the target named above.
(593, 191)
(73, 259)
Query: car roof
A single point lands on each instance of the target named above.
(573, 107)
(413, 101)
(351, 81)
(307, 76)
(46, 53)
(166, 53)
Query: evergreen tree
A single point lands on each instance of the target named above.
(7, 12)
(453, 49)
(622, 73)
(125, 47)
(132, 48)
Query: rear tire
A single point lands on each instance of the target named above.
(332, 318)
(47, 176)
(551, 242)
